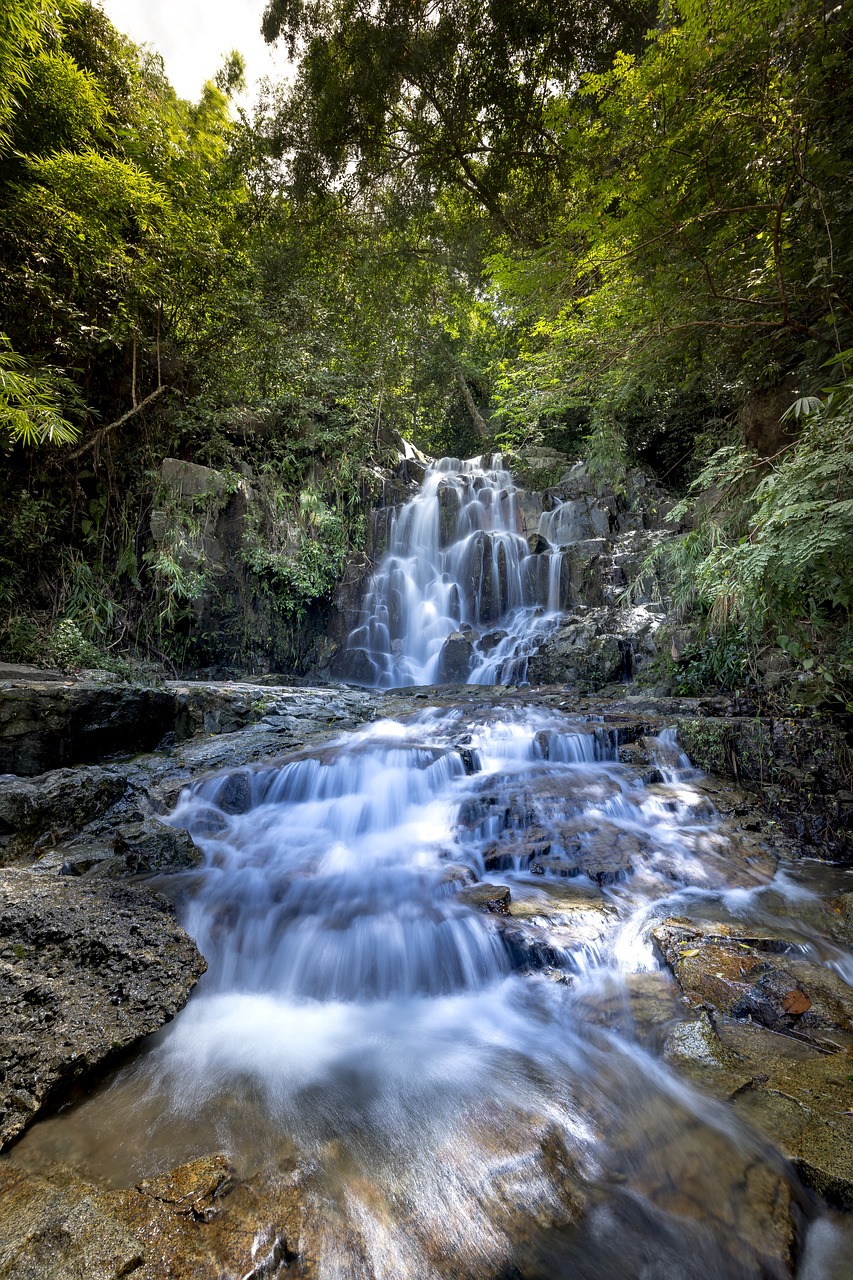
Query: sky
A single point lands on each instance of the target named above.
(195, 35)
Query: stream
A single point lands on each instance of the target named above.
(434, 999)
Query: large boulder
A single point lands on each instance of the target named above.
(85, 971)
(54, 805)
(456, 657)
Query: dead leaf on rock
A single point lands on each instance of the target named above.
(796, 1002)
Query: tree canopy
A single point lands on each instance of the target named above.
(619, 228)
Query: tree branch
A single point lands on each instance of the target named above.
(99, 435)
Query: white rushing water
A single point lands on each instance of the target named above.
(457, 560)
(426, 1061)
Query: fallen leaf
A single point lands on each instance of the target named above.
(693, 952)
(796, 1002)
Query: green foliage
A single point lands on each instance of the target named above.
(717, 660)
(31, 401)
(776, 537)
(66, 646)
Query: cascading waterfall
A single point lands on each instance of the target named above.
(432, 994)
(456, 561)
(469, 1092)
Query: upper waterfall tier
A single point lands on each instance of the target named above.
(457, 564)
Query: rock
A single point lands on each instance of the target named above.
(800, 1098)
(55, 804)
(196, 1222)
(45, 725)
(575, 521)
(21, 671)
(696, 1044)
(800, 768)
(594, 647)
(743, 1208)
(85, 971)
(492, 898)
(191, 480)
(207, 707)
(455, 659)
(455, 874)
(61, 1226)
(491, 640)
(564, 916)
(757, 974)
(151, 845)
(538, 544)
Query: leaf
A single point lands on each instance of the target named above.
(796, 1002)
(694, 951)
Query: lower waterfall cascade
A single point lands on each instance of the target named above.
(466, 1093)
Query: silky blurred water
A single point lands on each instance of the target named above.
(465, 1104)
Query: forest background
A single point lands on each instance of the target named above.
(622, 230)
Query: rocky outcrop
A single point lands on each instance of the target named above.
(773, 1033)
(597, 646)
(47, 724)
(86, 971)
(95, 803)
(802, 768)
(54, 806)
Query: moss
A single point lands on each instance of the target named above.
(741, 749)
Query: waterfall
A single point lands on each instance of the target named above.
(458, 596)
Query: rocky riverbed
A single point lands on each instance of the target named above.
(746, 994)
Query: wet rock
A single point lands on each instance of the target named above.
(54, 805)
(517, 851)
(491, 640)
(800, 769)
(196, 1222)
(537, 544)
(743, 1208)
(563, 916)
(151, 845)
(492, 898)
(641, 1005)
(758, 975)
(695, 1044)
(801, 1099)
(59, 1226)
(85, 971)
(449, 499)
(588, 648)
(575, 520)
(46, 724)
(455, 874)
(456, 658)
(234, 794)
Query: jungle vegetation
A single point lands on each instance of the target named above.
(622, 229)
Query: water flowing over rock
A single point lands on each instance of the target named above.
(476, 574)
(499, 984)
(429, 1038)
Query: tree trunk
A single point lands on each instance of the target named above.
(476, 417)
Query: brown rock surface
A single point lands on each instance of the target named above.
(196, 1222)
